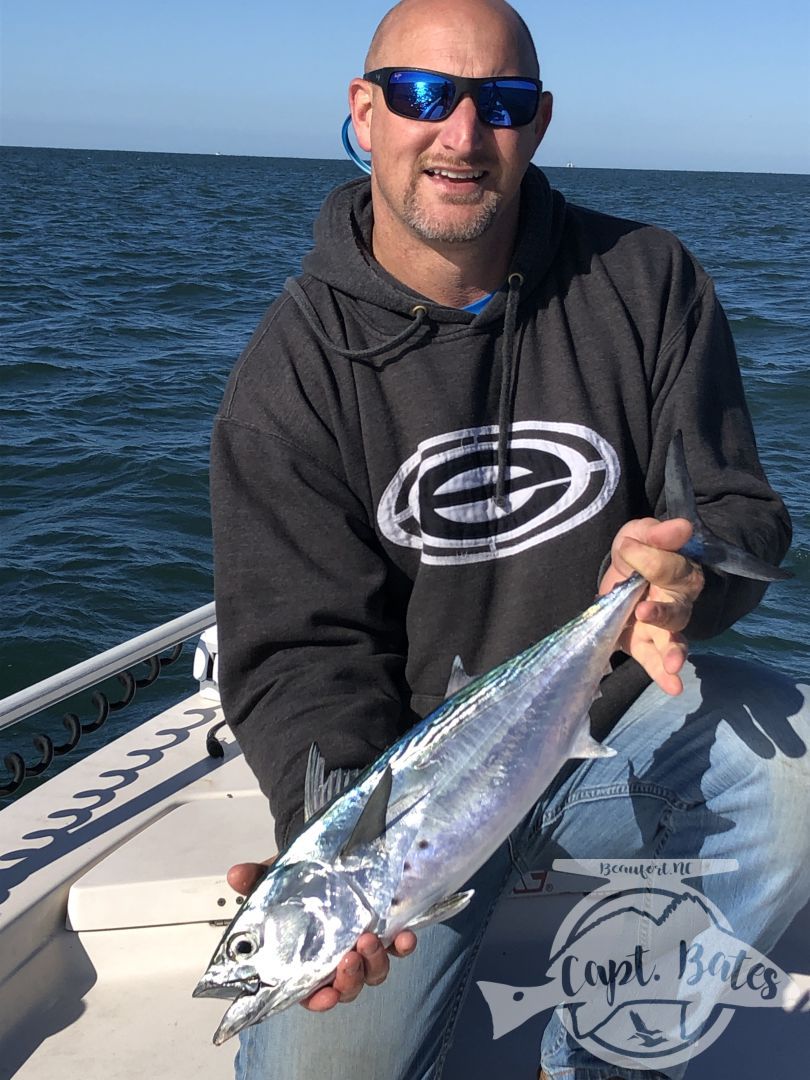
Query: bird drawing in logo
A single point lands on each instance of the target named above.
(648, 1037)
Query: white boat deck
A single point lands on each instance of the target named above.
(113, 897)
(96, 981)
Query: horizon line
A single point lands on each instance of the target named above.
(298, 157)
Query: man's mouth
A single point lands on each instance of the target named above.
(463, 175)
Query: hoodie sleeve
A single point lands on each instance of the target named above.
(309, 651)
(700, 392)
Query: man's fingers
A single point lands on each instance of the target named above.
(634, 530)
(322, 1000)
(672, 615)
(375, 958)
(653, 636)
(665, 569)
(346, 985)
(663, 669)
(403, 944)
(366, 965)
(243, 876)
(668, 535)
(651, 548)
(351, 976)
(675, 656)
(660, 653)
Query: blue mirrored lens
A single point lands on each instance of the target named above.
(419, 95)
(508, 104)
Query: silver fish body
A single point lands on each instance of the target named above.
(458, 783)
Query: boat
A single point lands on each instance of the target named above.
(113, 897)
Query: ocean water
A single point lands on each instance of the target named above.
(130, 283)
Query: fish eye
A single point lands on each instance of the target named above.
(242, 946)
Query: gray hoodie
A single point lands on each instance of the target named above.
(395, 483)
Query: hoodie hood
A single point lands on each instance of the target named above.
(343, 260)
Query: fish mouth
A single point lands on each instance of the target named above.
(250, 1008)
(250, 1000)
(210, 986)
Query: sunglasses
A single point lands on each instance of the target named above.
(501, 101)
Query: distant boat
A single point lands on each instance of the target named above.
(570, 165)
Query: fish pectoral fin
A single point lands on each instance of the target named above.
(320, 789)
(458, 678)
(445, 909)
(372, 821)
(587, 747)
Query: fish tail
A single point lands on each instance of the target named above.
(705, 547)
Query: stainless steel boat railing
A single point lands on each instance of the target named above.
(115, 662)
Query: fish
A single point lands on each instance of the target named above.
(392, 847)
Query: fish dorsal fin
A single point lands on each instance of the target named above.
(587, 747)
(458, 678)
(445, 909)
(371, 823)
(319, 789)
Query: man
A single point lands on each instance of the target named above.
(428, 448)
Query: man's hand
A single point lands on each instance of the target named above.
(367, 964)
(653, 636)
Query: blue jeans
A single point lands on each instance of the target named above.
(716, 773)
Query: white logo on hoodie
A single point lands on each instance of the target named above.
(442, 499)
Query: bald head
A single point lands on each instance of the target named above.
(410, 18)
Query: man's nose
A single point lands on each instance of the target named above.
(462, 130)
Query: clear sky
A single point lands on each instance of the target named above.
(695, 84)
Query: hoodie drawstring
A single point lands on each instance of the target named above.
(419, 312)
(507, 381)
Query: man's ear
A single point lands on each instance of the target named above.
(543, 118)
(361, 107)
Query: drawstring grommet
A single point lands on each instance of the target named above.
(307, 309)
(516, 277)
